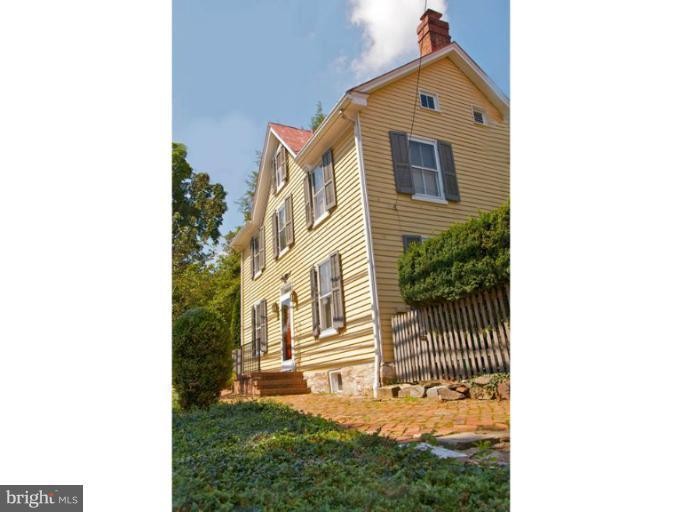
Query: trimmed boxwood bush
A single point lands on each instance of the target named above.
(202, 357)
(468, 257)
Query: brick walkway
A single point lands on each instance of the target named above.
(405, 419)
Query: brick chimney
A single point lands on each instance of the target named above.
(432, 33)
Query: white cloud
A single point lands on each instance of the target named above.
(389, 31)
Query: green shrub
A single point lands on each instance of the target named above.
(202, 357)
(468, 257)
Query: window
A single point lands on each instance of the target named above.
(317, 185)
(335, 382)
(320, 191)
(283, 227)
(255, 257)
(479, 116)
(279, 168)
(327, 297)
(259, 326)
(324, 273)
(424, 167)
(428, 100)
(408, 240)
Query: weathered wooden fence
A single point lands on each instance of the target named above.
(454, 340)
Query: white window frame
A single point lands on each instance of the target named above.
(287, 364)
(282, 229)
(254, 313)
(318, 216)
(475, 109)
(329, 330)
(332, 386)
(436, 101)
(441, 186)
(255, 258)
(278, 171)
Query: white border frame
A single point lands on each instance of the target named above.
(331, 387)
(476, 108)
(287, 365)
(423, 197)
(436, 100)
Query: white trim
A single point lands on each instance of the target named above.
(287, 364)
(367, 224)
(283, 251)
(429, 199)
(441, 189)
(321, 219)
(476, 108)
(257, 275)
(329, 331)
(331, 387)
(436, 100)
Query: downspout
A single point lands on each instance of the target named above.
(376, 326)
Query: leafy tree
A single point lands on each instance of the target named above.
(317, 118)
(198, 208)
(202, 359)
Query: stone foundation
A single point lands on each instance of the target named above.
(357, 380)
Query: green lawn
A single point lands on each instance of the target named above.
(254, 456)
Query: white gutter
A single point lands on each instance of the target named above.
(367, 224)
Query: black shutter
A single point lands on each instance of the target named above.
(254, 319)
(275, 248)
(400, 153)
(264, 327)
(338, 313)
(308, 200)
(447, 167)
(253, 263)
(328, 171)
(289, 214)
(261, 247)
(410, 239)
(314, 302)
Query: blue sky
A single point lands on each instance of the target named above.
(238, 65)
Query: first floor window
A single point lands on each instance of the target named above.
(327, 296)
(325, 300)
(424, 167)
(259, 322)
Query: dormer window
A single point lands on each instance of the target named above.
(428, 100)
(279, 166)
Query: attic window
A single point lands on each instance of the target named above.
(479, 116)
(428, 100)
(279, 167)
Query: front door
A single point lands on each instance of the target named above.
(287, 334)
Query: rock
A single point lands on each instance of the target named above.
(483, 380)
(431, 384)
(503, 391)
(388, 392)
(444, 393)
(465, 440)
(434, 392)
(414, 391)
(450, 394)
(440, 452)
(481, 393)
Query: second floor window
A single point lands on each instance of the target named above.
(424, 166)
(319, 190)
(283, 227)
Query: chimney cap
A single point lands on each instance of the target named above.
(431, 14)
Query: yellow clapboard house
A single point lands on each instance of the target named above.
(399, 158)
